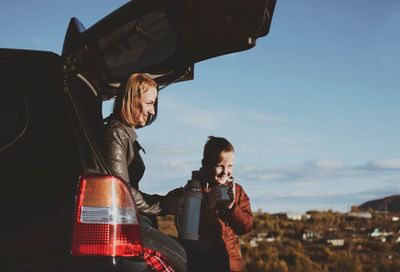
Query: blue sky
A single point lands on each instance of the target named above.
(313, 110)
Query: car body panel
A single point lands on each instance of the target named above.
(43, 164)
(41, 167)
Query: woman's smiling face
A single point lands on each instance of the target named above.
(147, 102)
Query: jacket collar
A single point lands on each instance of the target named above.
(128, 129)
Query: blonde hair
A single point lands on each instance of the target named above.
(127, 106)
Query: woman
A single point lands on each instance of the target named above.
(135, 107)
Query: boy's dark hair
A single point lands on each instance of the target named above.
(214, 147)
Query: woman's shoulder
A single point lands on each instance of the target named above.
(114, 124)
(116, 127)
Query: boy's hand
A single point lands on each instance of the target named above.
(231, 194)
(212, 197)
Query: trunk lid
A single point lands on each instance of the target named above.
(162, 37)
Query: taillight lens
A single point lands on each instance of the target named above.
(106, 222)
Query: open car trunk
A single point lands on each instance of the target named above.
(164, 38)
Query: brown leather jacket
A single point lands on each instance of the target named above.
(227, 225)
(121, 152)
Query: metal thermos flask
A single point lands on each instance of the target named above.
(189, 225)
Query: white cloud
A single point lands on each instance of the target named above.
(204, 118)
(388, 164)
(322, 183)
(178, 165)
(316, 178)
(326, 164)
(172, 150)
(209, 118)
(319, 184)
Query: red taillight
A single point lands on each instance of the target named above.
(106, 222)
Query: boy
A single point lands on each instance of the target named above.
(221, 221)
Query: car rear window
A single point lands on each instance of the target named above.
(139, 44)
(13, 106)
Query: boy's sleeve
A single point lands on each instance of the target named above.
(240, 217)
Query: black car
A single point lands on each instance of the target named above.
(62, 210)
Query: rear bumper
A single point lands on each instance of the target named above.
(103, 264)
(75, 264)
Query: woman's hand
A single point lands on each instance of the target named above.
(174, 200)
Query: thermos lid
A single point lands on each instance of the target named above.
(193, 185)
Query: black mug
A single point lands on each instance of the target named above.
(224, 194)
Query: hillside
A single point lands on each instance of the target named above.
(318, 242)
(389, 204)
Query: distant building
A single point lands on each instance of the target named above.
(270, 239)
(263, 236)
(366, 215)
(309, 235)
(349, 229)
(383, 236)
(280, 215)
(336, 242)
(272, 236)
(294, 216)
(297, 216)
(253, 243)
(375, 233)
